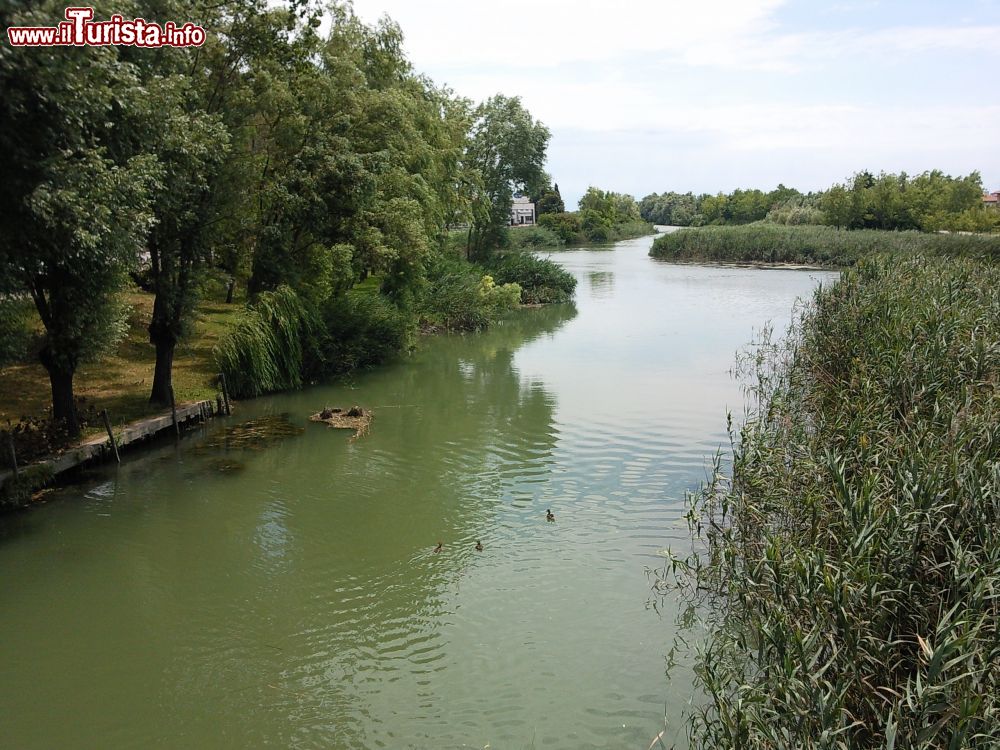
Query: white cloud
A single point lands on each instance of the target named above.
(720, 93)
(539, 33)
(733, 34)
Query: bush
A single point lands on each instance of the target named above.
(361, 330)
(565, 225)
(460, 298)
(540, 280)
(534, 237)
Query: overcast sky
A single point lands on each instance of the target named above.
(706, 95)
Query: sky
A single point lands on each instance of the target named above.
(644, 96)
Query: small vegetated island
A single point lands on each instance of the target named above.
(848, 564)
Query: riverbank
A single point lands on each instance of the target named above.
(820, 246)
(120, 381)
(359, 330)
(303, 575)
(850, 562)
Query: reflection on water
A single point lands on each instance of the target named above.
(214, 595)
(602, 284)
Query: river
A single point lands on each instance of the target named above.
(212, 596)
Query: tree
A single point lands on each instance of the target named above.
(836, 205)
(550, 202)
(75, 198)
(190, 147)
(507, 148)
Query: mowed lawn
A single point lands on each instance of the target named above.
(120, 383)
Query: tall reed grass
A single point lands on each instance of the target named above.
(811, 245)
(847, 571)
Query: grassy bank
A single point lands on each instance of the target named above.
(849, 571)
(810, 245)
(120, 381)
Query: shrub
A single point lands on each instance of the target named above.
(534, 237)
(565, 225)
(460, 298)
(541, 280)
(361, 330)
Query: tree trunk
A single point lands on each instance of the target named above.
(163, 372)
(63, 406)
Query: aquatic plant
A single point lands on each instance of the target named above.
(814, 245)
(847, 570)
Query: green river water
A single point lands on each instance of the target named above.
(213, 596)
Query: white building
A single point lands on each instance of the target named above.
(522, 212)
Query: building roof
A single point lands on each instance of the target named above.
(991, 198)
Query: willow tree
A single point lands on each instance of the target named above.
(75, 200)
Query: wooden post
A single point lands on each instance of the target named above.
(13, 454)
(173, 413)
(111, 435)
(225, 393)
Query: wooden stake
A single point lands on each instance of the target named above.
(225, 393)
(173, 413)
(111, 435)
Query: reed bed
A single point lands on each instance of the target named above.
(812, 245)
(847, 569)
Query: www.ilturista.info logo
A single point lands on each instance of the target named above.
(78, 30)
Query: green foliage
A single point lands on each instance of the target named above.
(361, 330)
(15, 334)
(737, 207)
(460, 297)
(846, 574)
(541, 280)
(528, 238)
(565, 225)
(507, 150)
(550, 202)
(292, 158)
(930, 202)
(271, 346)
(819, 245)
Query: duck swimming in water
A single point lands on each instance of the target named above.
(549, 515)
(479, 546)
(439, 547)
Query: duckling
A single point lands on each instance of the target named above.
(479, 546)
(549, 516)
(439, 547)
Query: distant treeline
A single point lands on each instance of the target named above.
(929, 202)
